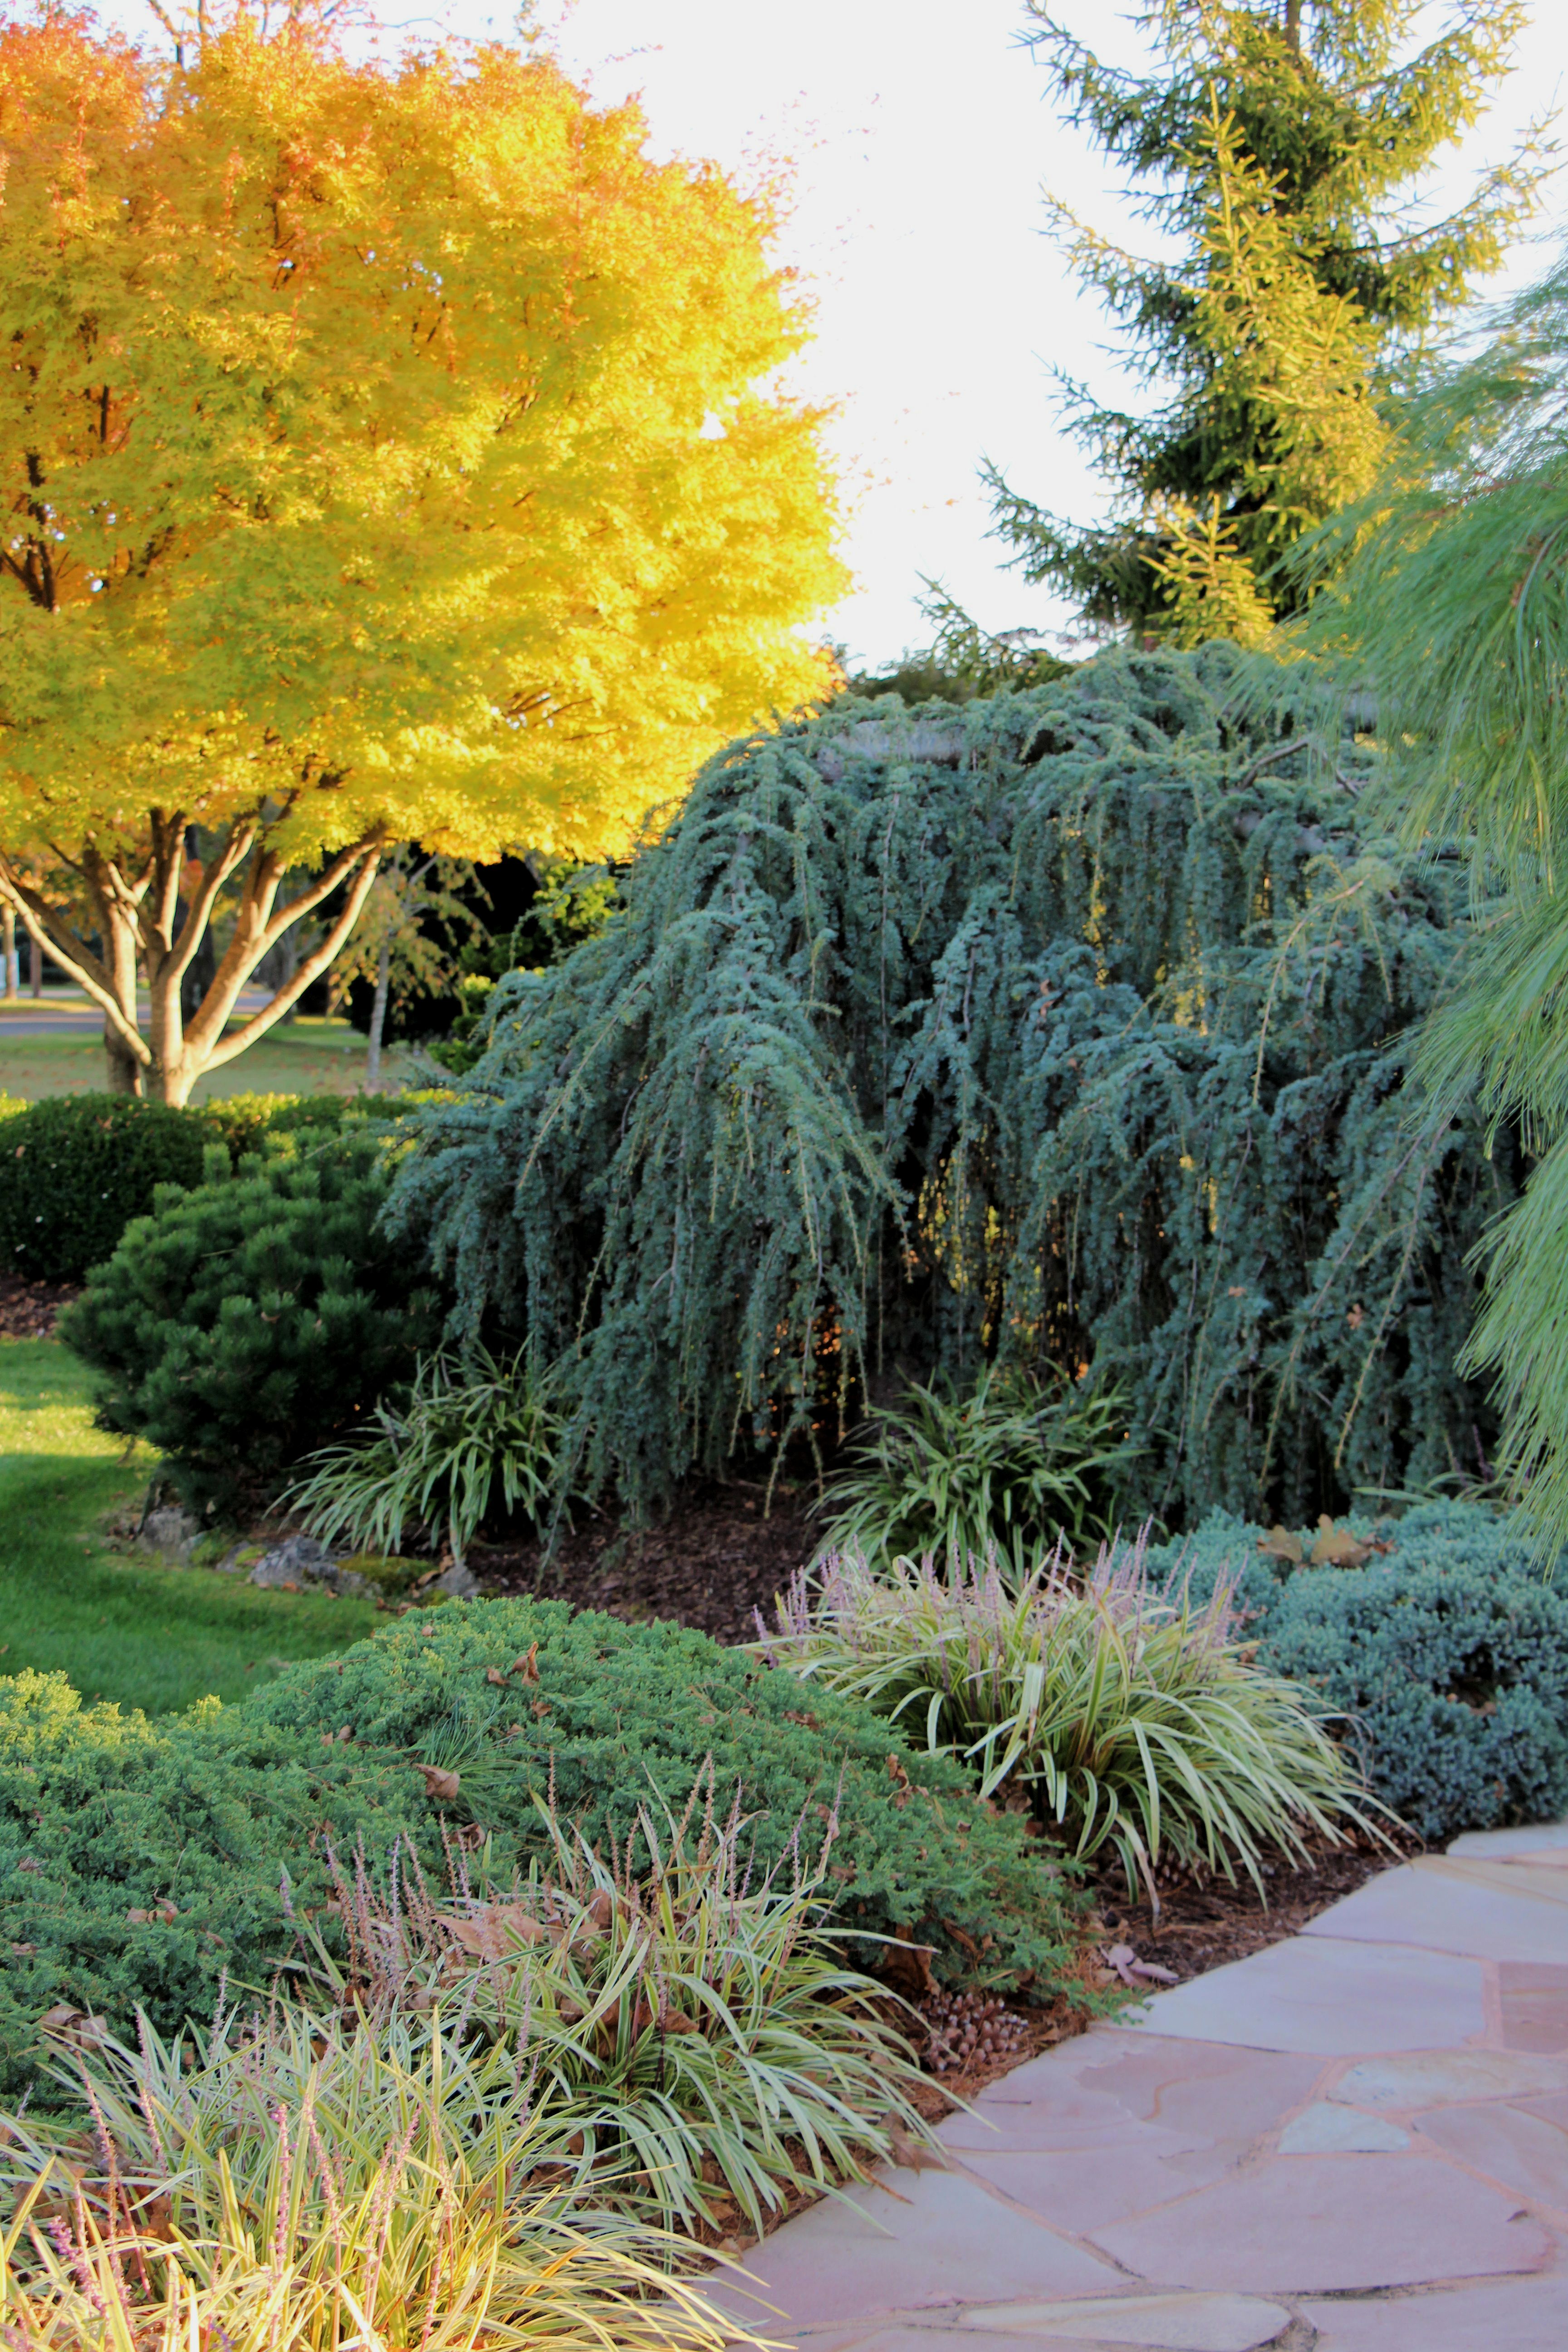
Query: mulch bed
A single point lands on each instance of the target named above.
(719, 1557)
(27, 1309)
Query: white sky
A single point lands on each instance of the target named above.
(922, 131)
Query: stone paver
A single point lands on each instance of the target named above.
(1356, 2140)
(1329, 1996)
(1446, 1908)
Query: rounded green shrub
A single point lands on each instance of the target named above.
(138, 1860)
(1447, 1657)
(74, 1171)
(245, 1322)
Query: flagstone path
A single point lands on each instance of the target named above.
(1355, 2141)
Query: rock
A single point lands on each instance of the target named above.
(459, 1582)
(298, 1561)
(170, 1531)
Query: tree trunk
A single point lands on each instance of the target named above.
(139, 927)
(34, 967)
(8, 949)
(378, 1019)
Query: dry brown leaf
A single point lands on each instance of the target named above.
(1281, 1544)
(527, 1667)
(442, 1786)
(912, 2155)
(1337, 1548)
(494, 1674)
(494, 1932)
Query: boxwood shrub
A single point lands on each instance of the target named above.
(75, 1169)
(139, 1859)
(1447, 1657)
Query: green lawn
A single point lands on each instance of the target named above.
(120, 1626)
(304, 1056)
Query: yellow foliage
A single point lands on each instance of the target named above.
(355, 432)
(388, 451)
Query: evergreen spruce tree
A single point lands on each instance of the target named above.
(1279, 146)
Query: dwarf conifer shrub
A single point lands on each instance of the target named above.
(505, 1699)
(244, 1321)
(138, 1861)
(1062, 1029)
(1446, 1658)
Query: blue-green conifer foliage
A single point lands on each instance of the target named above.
(1064, 1028)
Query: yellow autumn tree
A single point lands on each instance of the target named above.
(390, 452)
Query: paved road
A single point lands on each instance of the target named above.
(1357, 2141)
(63, 1016)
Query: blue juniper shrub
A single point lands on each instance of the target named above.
(1447, 1657)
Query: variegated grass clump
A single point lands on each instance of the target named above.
(688, 2037)
(473, 1431)
(1129, 1722)
(1005, 1465)
(512, 2113)
(296, 2185)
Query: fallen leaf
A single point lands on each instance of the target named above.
(493, 1932)
(27, 1862)
(913, 2154)
(1156, 1975)
(61, 2018)
(494, 1674)
(907, 1964)
(346, 1733)
(1281, 1544)
(1337, 1548)
(442, 1786)
(137, 1918)
(527, 1667)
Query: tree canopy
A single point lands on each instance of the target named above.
(1062, 1029)
(1278, 148)
(391, 452)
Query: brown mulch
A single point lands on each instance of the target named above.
(721, 1556)
(27, 1309)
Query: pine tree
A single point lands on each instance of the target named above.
(1450, 596)
(1279, 146)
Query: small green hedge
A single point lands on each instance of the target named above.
(224, 1815)
(75, 1169)
(1448, 1656)
(246, 1321)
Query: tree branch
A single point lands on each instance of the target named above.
(90, 974)
(310, 967)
